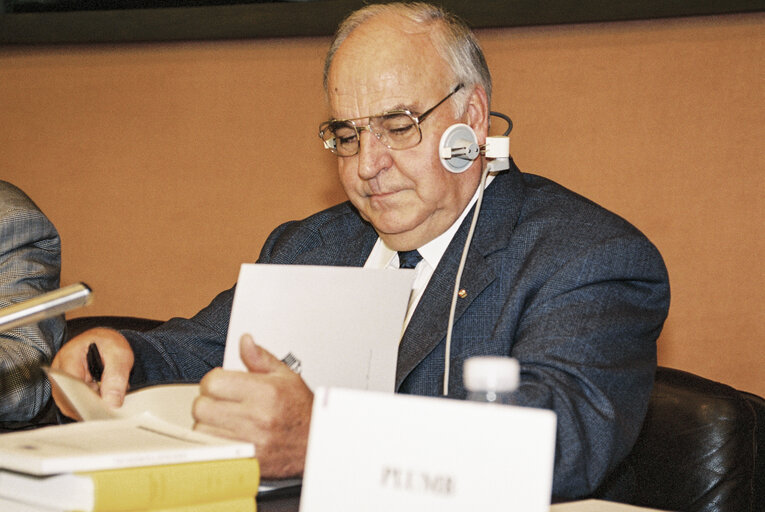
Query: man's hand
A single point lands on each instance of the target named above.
(269, 406)
(116, 355)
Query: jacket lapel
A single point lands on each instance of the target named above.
(428, 325)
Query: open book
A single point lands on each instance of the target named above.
(113, 438)
(168, 402)
(165, 409)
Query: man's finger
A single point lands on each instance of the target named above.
(117, 363)
(114, 384)
(256, 358)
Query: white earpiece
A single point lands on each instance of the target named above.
(458, 148)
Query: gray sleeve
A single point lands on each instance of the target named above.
(30, 262)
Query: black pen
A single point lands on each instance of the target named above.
(95, 364)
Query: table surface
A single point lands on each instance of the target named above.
(285, 500)
(289, 501)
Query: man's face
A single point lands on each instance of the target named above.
(407, 195)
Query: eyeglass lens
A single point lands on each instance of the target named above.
(395, 130)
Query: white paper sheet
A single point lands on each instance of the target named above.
(343, 324)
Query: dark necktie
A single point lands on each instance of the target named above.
(408, 259)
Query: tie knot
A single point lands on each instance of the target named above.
(408, 259)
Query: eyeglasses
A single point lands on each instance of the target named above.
(396, 129)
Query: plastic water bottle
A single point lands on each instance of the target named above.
(491, 379)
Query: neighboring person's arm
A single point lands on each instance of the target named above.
(30, 259)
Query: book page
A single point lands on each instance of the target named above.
(169, 402)
(320, 320)
(84, 400)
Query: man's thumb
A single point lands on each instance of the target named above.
(256, 358)
(113, 388)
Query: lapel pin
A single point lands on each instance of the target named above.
(462, 293)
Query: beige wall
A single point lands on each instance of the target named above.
(165, 166)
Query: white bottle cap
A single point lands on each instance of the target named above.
(491, 373)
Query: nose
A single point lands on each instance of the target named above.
(374, 156)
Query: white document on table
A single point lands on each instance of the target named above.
(383, 452)
(336, 326)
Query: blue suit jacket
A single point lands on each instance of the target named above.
(574, 292)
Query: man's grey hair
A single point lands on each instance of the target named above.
(452, 38)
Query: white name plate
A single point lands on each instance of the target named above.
(374, 451)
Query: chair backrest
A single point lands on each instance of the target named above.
(700, 449)
(75, 326)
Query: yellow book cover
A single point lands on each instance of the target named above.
(134, 489)
(236, 505)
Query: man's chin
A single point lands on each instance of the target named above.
(400, 237)
(391, 227)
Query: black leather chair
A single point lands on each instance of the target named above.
(701, 449)
(75, 326)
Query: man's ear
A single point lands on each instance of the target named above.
(477, 113)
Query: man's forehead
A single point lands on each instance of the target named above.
(362, 98)
(384, 64)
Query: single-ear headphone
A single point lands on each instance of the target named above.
(459, 146)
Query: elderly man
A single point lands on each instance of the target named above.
(30, 262)
(573, 292)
